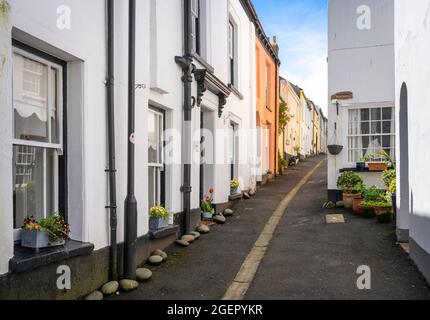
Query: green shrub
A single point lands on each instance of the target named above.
(373, 194)
(388, 176)
(349, 182)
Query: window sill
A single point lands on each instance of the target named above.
(26, 259)
(235, 91)
(203, 62)
(164, 233)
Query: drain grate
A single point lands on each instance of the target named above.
(334, 218)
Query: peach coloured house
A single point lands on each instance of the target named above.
(267, 74)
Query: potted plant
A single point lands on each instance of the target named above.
(361, 164)
(49, 232)
(234, 187)
(380, 161)
(206, 207)
(382, 209)
(370, 196)
(158, 218)
(392, 191)
(356, 202)
(348, 182)
(283, 164)
(335, 149)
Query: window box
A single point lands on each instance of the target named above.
(377, 166)
(158, 223)
(35, 239)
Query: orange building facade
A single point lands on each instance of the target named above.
(267, 87)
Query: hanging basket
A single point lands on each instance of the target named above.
(335, 149)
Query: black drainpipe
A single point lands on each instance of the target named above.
(113, 262)
(130, 216)
(186, 63)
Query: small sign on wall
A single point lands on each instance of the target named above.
(345, 95)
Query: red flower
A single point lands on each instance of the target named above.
(212, 190)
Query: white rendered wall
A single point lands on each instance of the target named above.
(360, 61)
(412, 34)
(6, 207)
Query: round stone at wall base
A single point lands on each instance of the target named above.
(155, 260)
(110, 288)
(195, 234)
(183, 243)
(143, 274)
(94, 296)
(228, 212)
(160, 253)
(203, 229)
(340, 204)
(128, 285)
(189, 238)
(220, 219)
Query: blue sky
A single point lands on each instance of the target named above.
(301, 30)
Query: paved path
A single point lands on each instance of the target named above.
(306, 259)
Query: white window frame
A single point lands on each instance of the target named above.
(57, 148)
(370, 107)
(158, 166)
(267, 79)
(195, 12)
(232, 53)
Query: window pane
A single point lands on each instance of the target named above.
(388, 127)
(387, 141)
(365, 115)
(153, 187)
(387, 113)
(54, 106)
(376, 114)
(376, 127)
(28, 181)
(153, 138)
(51, 193)
(365, 128)
(30, 99)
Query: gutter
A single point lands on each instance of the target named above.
(113, 259)
(186, 63)
(130, 216)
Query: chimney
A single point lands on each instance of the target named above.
(275, 46)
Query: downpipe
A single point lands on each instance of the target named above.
(113, 259)
(186, 63)
(130, 216)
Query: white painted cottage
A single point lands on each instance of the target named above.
(195, 80)
(360, 85)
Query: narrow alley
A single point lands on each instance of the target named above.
(307, 258)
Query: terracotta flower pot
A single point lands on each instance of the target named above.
(377, 166)
(384, 214)
(356, 203)
(367, 212)
(349, 197)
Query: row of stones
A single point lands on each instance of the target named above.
(142, 275)
(157, 258)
